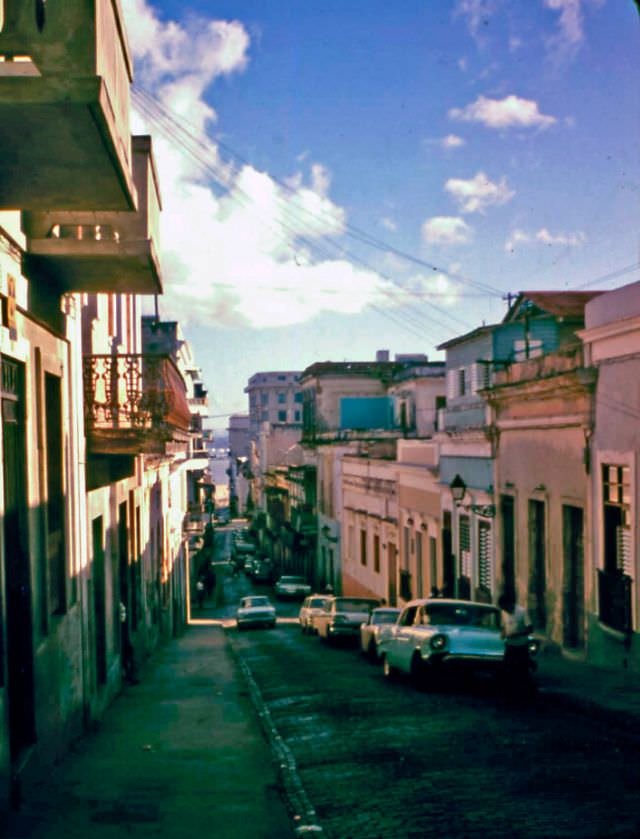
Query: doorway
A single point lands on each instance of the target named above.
(573, 583)
(19, 641)
(393, 573)
(448, 560)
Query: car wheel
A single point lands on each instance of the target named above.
(389, 670)
(372, 651)
(418, 672)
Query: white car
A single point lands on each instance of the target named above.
(376, 628)
(433, 635)
(290, 586)
(343, 616)
(312, 606)
(255, 610)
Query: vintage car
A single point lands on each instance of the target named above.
(255, 610)
(373, 630)
(434, 635)
(291, 586)
(312, 606)
(343, 616)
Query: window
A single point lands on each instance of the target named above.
(531, 348)
(282, 416)
(282, 378)
(264, 398)
(282, 398)
(462, 381)
(376, 553)
(351, 542)
(363, 547)
(616, 496)
(298, 396)
(264, 416)
(296, 416)
(408, 616)
(56, 550)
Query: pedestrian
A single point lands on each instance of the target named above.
(516, 628)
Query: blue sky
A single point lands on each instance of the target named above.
(495, 141)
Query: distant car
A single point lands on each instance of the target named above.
(262, 571)
(249, 563)
(434, 635)
(312, 606)
(255, 610)
(373, 630)
(293, 587)
(343, 616)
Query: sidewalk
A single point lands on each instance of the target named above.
(180, 754)
(611, 694)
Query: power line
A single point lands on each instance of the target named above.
(161, 118)
(350, 230)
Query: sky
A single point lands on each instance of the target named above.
(343, 177)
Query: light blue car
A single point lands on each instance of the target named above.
(437, 634)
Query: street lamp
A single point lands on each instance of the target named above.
(458, 490)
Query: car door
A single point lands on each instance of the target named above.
(401, 643)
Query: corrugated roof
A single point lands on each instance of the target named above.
(561, 304)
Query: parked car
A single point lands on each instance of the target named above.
(293, 587)
(343, 616)
(312, 606)
(373, 630)
(255, 610)
(435, 635)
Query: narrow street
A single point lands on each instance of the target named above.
(187, 751)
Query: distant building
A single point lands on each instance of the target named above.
(274, 397)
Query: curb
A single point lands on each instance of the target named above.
(302, 811)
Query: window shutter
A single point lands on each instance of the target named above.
(451, 384)
(623, 545)
(485, 550)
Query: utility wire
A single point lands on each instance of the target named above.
(351, 230)
(168, 126)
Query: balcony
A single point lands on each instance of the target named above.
(134, 404)
(100, 252)
(65, 76)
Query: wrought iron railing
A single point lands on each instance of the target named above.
(614, 600)
(134, 392)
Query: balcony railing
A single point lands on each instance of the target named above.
(614, 600)
(65, 77)
(134, 403)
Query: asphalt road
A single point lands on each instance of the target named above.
(380, 760)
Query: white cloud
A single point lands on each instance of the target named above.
(389, 224)
(446, 230)
(510, 112)
(452, 141)
(237, 248)
(478, 193)
(565, 43)
(544, 237)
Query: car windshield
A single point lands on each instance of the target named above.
(454, 614)
(317, 602)
(249, 602)
(385, 617)
(354, 604)
(296, 581)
